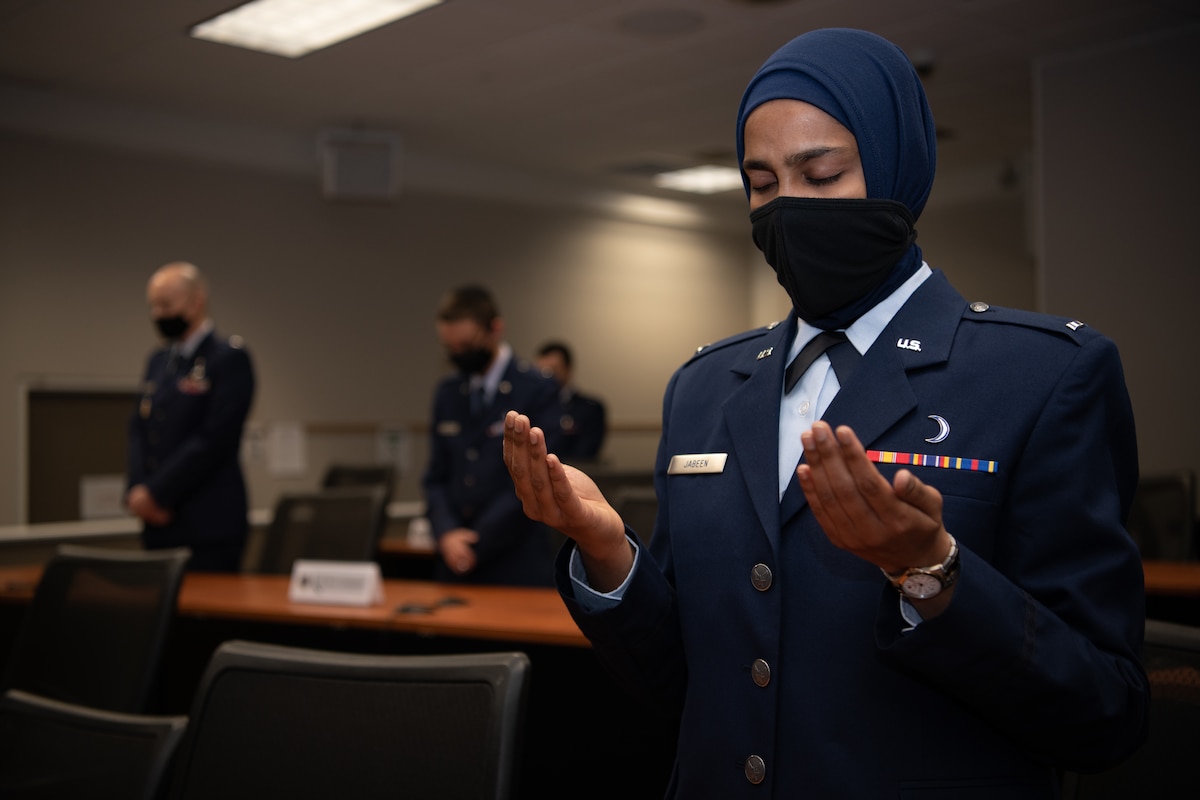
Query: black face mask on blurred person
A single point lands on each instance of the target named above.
(171, 328)
(828, 253)
(473, 361)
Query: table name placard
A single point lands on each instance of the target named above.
(340, 583)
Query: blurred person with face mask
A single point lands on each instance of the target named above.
(185, 479)
(481, 533)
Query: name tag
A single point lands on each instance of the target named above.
(697, 464)
(338, 583)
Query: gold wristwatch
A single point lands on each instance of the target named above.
(922, 583)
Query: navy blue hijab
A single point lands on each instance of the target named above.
(868, 85)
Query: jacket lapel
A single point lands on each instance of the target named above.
(752, 416)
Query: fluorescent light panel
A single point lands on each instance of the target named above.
(705, 179)
(293, 28)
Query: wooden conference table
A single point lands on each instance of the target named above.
(534, 615)
(424, 608)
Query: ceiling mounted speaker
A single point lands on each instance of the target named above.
(360, 165)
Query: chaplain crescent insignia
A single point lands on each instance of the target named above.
(943, 429)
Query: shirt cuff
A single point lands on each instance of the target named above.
(588, 598)
(910, 614)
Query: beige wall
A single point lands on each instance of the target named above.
(335, 301)
(1118, 207)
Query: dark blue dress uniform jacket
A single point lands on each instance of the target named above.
(582, 425)
(467, 485)
(184, 442)
(768, 641)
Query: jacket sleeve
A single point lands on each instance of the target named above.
(639, 640)
(1043, 637)
(136, 446)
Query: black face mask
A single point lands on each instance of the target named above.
(171, 328)
(829, 253)
(473, 361)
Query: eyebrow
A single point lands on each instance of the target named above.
(796, 158)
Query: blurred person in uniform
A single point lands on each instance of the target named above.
(185, 477)
(582, 420)
(482, 536)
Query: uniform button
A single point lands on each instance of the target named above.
(469, 480)
(761, 672)
(979, 308)
(804, 408)
(472, 454)
(761, 577)
(756, 769)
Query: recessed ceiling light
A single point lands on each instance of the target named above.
(293, 28)
(705, 179)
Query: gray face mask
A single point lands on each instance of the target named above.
(828, 254)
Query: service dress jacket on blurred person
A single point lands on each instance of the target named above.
(184, 443)
(582, 424)
(467, 485)
(743, 619)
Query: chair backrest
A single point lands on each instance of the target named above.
(342, 524)
(1162, 519)
(51, 749)
(339, 475)
(277, 721)
(638, 507)
(1163, 765)
(97, 627)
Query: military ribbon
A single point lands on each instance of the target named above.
(923, 460)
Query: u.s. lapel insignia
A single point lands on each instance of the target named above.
(764, 353)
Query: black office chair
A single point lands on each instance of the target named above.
(96, 629)
(50, 749)
(1162, 519)
(638, 507)
(342, 524)
(1164, 767)
(341, 475)
(276, 721)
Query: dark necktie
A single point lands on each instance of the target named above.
(842, 355)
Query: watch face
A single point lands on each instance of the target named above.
(921, 586)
